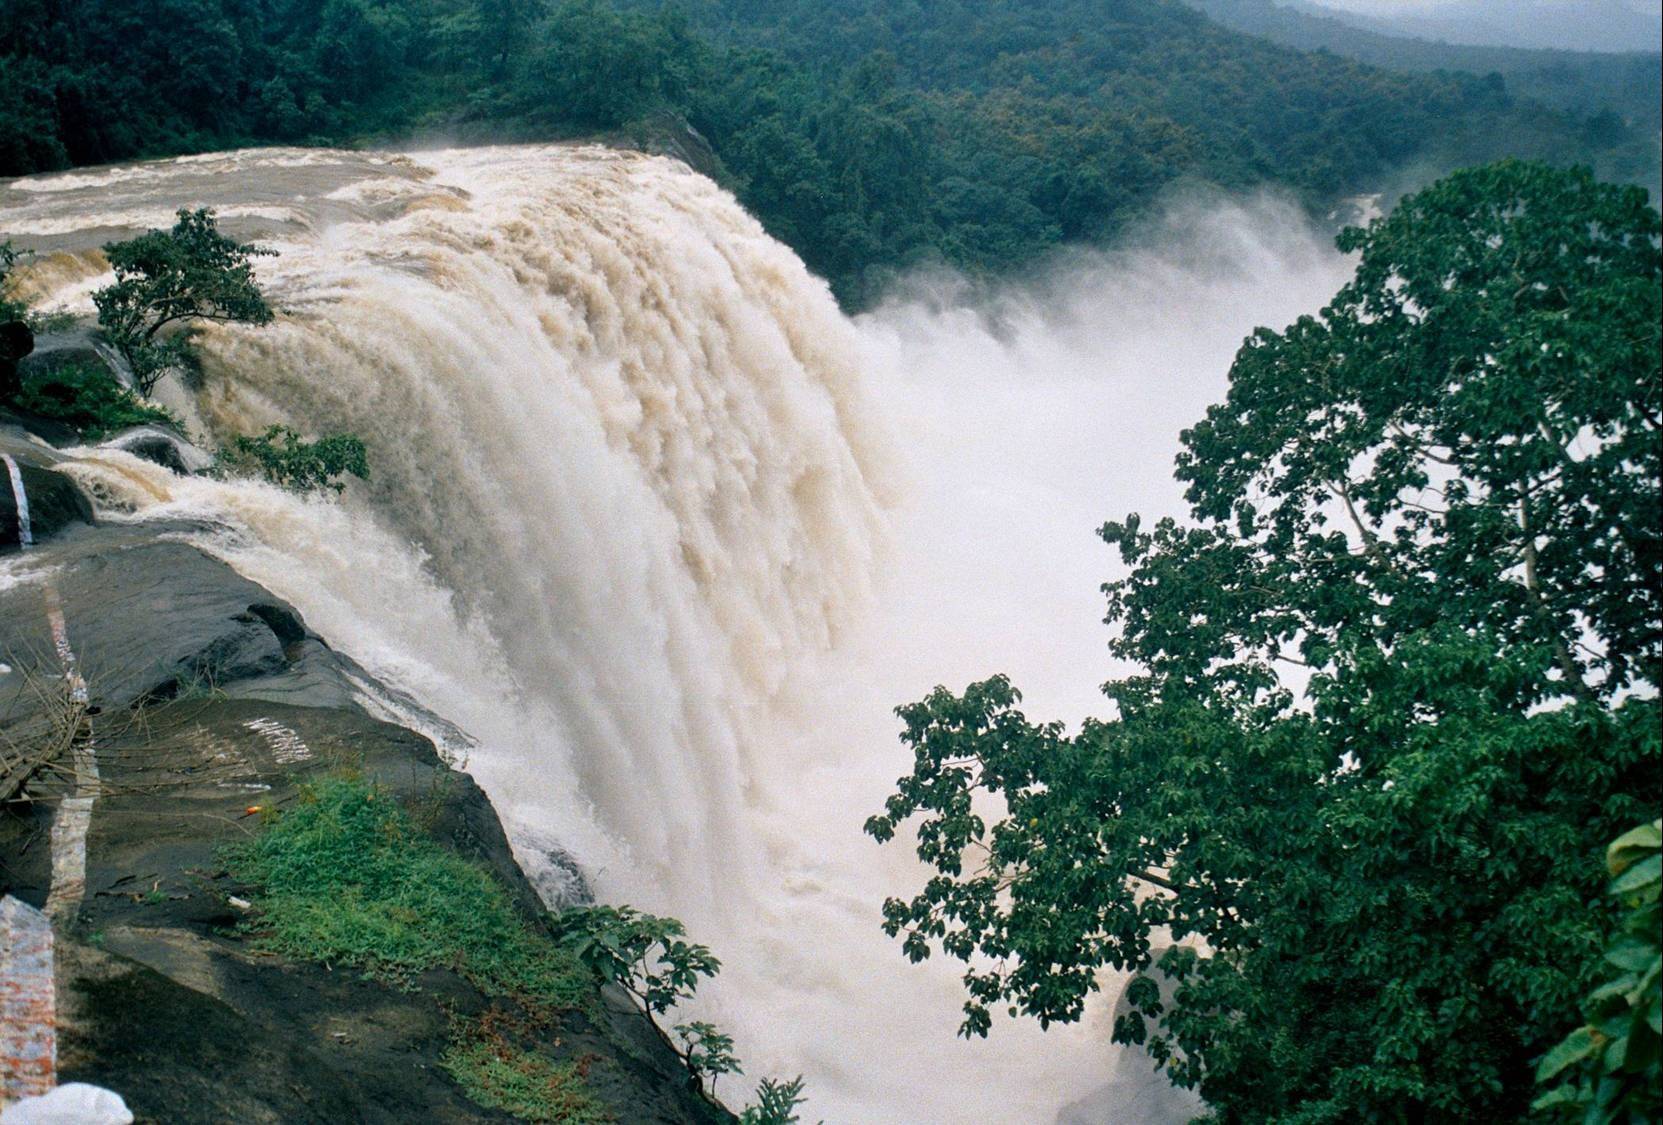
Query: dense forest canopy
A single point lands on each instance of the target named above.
(870, 135)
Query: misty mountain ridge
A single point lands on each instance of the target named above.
(1582, 25)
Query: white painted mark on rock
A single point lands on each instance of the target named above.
(286, 746)
(25, 537)
(74, 814)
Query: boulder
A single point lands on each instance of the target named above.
(51, 502)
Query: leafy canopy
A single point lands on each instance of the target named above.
(1349, 807)
(190, 273)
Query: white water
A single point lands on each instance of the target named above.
(668, 536)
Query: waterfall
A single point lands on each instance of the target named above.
(666, 535)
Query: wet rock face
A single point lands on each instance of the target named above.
(51, 502)
(208, 702)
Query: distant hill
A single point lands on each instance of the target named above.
(1628, 84)
(1618, 26)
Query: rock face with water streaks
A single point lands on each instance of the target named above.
(205, 697)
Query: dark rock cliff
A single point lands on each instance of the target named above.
(206, 697)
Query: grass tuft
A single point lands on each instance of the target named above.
(498, 1075)
(344, 877)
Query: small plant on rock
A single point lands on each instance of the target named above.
(650, 958)
(776, 1103)
(707, 1052)
(283, 458)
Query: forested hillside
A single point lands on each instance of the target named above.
(1628, 85)
(870, 135)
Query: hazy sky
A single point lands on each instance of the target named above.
(1605, 25)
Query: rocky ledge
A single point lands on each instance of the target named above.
(155, 709)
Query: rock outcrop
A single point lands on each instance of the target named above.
(188, 702)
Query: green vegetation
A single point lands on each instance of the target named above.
(499, 1075)
(87, 397)
(650, 958)
(283, 458)
(870, 135)
(190, 273)
(1627, 86)
(776, 1103)
(10, 307)
(1437, 504)
(1611, 1068)
(344, 877)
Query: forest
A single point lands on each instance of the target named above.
(871, 136)
(1626, 86)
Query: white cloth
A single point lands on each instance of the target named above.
(74, 1103)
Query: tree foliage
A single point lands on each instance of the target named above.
(190, 273)
(1398, 682)
(1610, 1068)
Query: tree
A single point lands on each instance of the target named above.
(191, 273)
(1398, 684)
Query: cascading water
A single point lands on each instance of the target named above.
(666, 535)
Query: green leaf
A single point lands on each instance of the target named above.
(1645, 873)
(1580, 1044)
(1625, 849)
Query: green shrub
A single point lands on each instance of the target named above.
(281, 457)
(645, 955)
(498, 1075)
(87, 397)
(344, 877)
(650, 958)
(776, 1103)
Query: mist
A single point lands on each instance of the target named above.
(1587, 25)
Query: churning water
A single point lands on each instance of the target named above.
(667, 535)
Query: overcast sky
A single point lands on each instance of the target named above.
(1602, 25)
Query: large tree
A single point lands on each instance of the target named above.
(1398, 688)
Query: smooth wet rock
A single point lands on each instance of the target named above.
(53, 502)
(160, 446)
(156, 620)
(54, 351)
